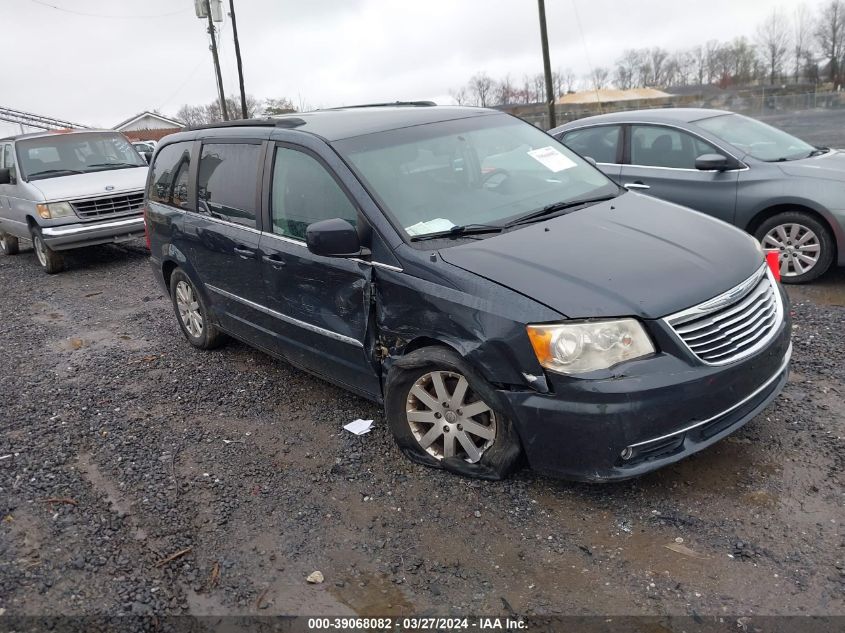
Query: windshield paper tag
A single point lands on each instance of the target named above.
(432, 226)
(552, 159)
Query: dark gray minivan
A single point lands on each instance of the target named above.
(498, 294)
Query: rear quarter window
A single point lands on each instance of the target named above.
(168, 182)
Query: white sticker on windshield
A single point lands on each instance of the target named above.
(432, 226)
(552, 159)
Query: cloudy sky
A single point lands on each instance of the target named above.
(98, 62)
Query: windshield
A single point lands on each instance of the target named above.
(757, 139)
(78, 153)
(483, 170)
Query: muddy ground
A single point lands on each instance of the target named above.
(141, 476)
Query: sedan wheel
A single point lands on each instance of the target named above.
(189, 309)
(448, 419)
(799, 248)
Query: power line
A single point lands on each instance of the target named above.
(112, 17)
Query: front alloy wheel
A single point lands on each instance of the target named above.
(804, 245)
(448, 419)
(798, 246)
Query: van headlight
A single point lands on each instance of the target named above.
(578, 347)
(55, 210)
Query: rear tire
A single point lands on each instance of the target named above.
(805, 245)
(443, 414)
(9, 244)
(51, 261)
(192, 313)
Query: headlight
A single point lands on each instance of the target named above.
(55, 210)
(575, 348)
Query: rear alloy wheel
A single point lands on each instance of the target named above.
(804, 245)
(192, 314)
(444, 414)
(9, 244)
(51, 261)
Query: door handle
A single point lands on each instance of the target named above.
(274, 260)
(636, 185)
(244, 253)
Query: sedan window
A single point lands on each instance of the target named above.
(599, 143)
(658, 146)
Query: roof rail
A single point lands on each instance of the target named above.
(415, 104)
(268, 122)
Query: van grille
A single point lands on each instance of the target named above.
(733, 325)
(108, 206)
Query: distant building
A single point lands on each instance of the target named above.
(611, 95)
(148, 126)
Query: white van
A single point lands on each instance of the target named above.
(69, 189)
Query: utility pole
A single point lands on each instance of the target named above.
(238, 57)
(224, 111)
(547, 66)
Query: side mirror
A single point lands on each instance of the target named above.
(333, 238)
(5, 177)
(591, 160)
(147, 156)
(713, 162)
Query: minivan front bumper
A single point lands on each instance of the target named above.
(661, 410)
(68, 236)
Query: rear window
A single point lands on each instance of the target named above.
(168, 182)
(227, 187)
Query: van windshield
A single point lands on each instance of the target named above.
(484, 170)
(75, 153)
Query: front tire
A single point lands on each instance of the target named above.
(805, 245)
(9, 244)
(192, 314)
(51, 261)
(443, 414)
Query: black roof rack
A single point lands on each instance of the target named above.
(415, 104)
(269, 122)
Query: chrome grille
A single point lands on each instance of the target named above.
(109, 206)
(733, 325)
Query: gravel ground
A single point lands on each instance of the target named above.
(147, 477)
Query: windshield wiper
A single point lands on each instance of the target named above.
(116, 165)
(554, 208)
(47, 172)
(818, 151)
(466, 229)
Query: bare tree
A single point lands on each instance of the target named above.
(801, 27)
(278, 106)
(481, 87)
(830, 35)
(461, 96)
(626, 71)
(774, 40)
(599, 78)
(192, 116)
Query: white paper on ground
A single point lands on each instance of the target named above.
(552, 159)
(431, 226)
(359, 427)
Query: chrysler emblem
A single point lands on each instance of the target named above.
(109, 187)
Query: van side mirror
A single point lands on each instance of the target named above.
(5, 177)
(713, 162)
(333, 238)
(591, 160)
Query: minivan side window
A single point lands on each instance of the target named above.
(169, 181)
(303, 192)
(227, 184)
(599, 143)
(658, 146)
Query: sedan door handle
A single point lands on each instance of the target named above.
(274, 260)
(244, 253)
(636, 185)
